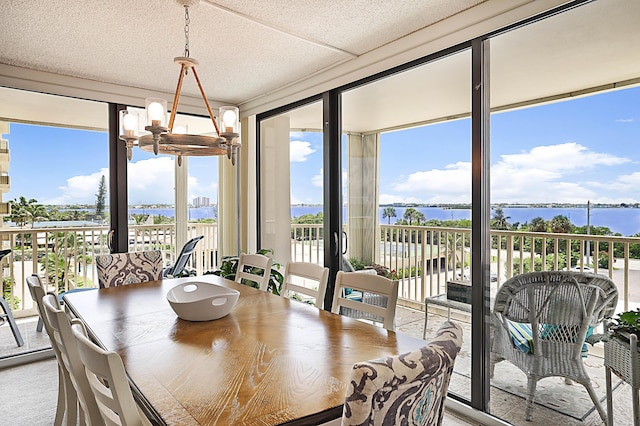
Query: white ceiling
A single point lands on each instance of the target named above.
(245, 48)
(260, 54)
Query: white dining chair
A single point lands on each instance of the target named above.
(299, 276)
(67, 404)
(248, 267)
(115, 400)
(365, 296)
(61, 333)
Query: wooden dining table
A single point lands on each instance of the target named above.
(270, 361)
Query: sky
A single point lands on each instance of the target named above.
(565, 152)
(585, 149)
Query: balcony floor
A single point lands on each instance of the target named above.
(42, 375)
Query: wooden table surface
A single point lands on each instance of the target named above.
(270, 361)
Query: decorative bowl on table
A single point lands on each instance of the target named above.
(199, 301)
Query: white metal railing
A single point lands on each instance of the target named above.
(65, 256)
(424, 258)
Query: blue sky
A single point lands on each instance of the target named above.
(570, 151)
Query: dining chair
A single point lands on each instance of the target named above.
(61, 333)
(108, 381)
(366, 296)
(67, 397)
(540, 322)
(127, 268)
(297, 275)
(249, 266)
(181, 261)
(406, 389)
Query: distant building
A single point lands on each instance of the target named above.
(201, 202)
(5, 207)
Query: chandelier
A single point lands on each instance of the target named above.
(166, 138)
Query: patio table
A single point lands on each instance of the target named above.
(270, 361)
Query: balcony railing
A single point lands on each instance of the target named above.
(424, 258)
(65, 256)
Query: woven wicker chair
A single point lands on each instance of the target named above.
(559, 308)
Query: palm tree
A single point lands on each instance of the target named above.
(23, 211)
(60, 264)
(500, 221)
(412, 214)
(388, 213)
(538, 224)
(560, 224)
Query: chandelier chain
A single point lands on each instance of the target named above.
(187, 21)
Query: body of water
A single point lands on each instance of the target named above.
(194, 212)
(625, 221)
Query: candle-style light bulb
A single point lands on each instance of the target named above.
(156, 112)
(130, 124)
(229, 120)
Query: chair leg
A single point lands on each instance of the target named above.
(40, 325)
(12, 322)
(531, 391)
(71, 402)
(596, 402)
(60, 407)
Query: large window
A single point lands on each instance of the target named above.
(564, 132)
(54, 179)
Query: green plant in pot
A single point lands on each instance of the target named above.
(627, 322)
(229, 267)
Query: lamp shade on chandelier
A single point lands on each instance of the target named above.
(163, 136)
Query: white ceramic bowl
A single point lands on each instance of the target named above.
(198, 301)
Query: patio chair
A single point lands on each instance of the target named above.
(108, 381)
(247, 265)
(7, 314)
(376, 299)
(181, 261)
(541, 320)
(61, 333)
(298, 273)
(406, 389)
(128, 268)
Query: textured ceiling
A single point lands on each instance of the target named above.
(245, 48)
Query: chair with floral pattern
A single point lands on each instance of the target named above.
(404, 389)
(127, 268)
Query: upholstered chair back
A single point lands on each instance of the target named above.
(129, 268)
(406, 389)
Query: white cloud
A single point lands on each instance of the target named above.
(299, 151)
(317, 180)
(150, 181)
(449, 185)
(553, 173)
(625, 120)
(80, 189)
